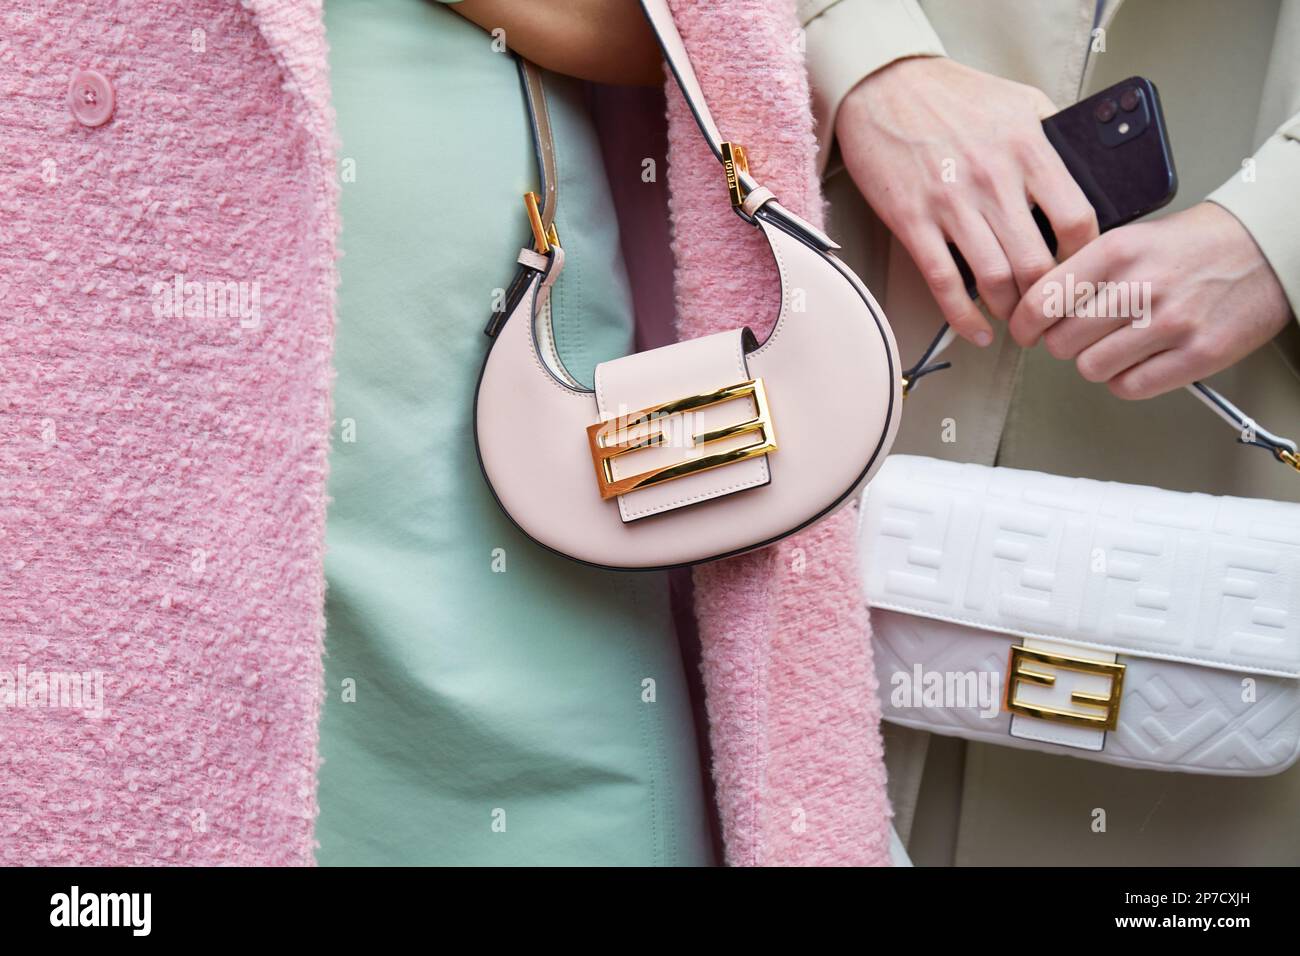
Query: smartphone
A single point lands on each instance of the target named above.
(1115, 145)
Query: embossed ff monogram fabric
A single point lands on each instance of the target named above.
(1196, 596)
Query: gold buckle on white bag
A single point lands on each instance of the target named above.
(1093, 711)
(610, 439)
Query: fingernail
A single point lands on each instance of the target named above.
(983, 338)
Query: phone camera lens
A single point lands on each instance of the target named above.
(1129, 99)
(1105, 111)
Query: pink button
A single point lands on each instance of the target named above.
(90, 97)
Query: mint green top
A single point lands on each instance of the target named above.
(486, 702)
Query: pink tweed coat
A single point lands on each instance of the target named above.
(167, 244)
(167, 228)
(794, 717)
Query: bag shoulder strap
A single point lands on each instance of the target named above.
(537, 257)
(747, 196)
(1249, 432)
(539, 118)
(749, 199)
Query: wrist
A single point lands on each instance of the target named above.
(1228, 234)
(904, 71)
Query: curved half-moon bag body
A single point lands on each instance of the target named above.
(702, 449)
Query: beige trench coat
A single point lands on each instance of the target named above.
(1229, 79)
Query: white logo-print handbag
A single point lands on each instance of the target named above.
(701, 449)
(1123, 623)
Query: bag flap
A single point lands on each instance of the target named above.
(694, 367)
(1205, 580)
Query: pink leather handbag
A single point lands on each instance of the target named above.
(705, 448)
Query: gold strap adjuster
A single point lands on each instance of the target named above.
(734, 162)
(1094, 711)
(543, 238)
(645, 429)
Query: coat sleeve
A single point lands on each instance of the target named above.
(847, 41)
(1265, 197)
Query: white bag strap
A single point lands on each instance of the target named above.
(1248, 431)
(747, 196)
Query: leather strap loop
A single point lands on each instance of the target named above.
(532, 259)
(755, 199)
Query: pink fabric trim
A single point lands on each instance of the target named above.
(162, 476)
(795, 721)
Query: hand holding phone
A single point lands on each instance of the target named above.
(1115, 145)
(943, 151)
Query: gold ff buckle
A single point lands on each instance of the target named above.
(1095, 711)
(604, 450)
